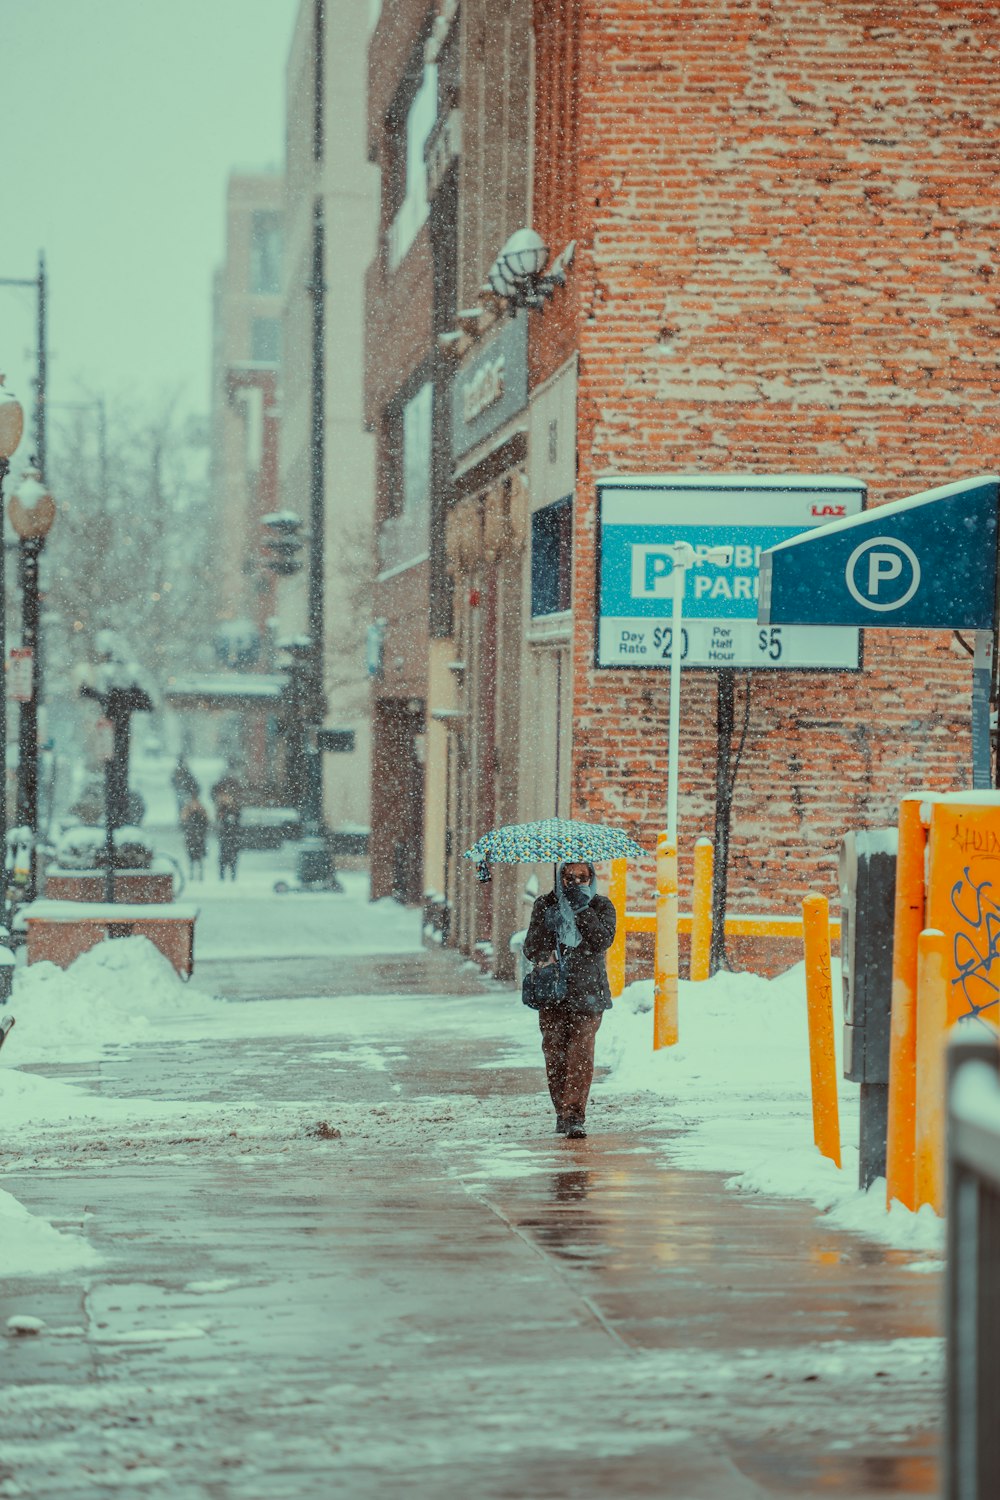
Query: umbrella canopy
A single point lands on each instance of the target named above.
(551, 840)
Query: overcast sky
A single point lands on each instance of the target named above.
(122, 120)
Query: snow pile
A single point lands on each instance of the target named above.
(114, 993)
(32, 1246)
(738, 1084)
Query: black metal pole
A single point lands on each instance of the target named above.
(4, 468)
(317, 496)
(725, 722)
(27, 800)
(109, 831)
(41, 394)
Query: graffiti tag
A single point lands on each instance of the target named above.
(976, 944)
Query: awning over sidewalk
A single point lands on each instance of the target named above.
(245, 691)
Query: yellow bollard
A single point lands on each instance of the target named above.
(701, 909)
(907, 926)
(819, 998)
(932, 1025)
(665, 1021)
(617, 891)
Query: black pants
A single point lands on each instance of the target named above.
(568, 1039)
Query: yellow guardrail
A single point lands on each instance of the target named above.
(697, 923)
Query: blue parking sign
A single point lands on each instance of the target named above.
(926, 562)
(641, 516)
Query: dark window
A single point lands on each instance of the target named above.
(265, 251)
(551, 558)
(265, 340)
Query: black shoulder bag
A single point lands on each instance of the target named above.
(545, 984)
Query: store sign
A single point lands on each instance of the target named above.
(491, 388)
(642, 516)
(20, 674)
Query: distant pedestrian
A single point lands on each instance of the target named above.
(184, 783)
(227, 821)
(194, 827)
(573, 926)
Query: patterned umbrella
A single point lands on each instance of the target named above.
(551, 840)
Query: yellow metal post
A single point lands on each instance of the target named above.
(819, 998)
(665, 1019)
(701, 909)
(907, 925)
(617, 892)
(932, 1026)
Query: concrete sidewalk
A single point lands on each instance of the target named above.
(360, 1302)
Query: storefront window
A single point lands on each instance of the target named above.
(404, 536)
(417, 417)
(265, 251)
(551, 558)
(414, 207)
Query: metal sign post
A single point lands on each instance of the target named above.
(665, 1019)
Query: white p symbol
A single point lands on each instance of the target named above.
(889, 560)
(652, 571)
(882, 566)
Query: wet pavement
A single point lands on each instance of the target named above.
(414, 1286)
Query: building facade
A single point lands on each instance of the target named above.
(785, 264)
(778, 259)
(244, 462)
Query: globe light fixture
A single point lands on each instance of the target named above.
(11, 426)
(524, 254)
(518, 275)
(31, 508)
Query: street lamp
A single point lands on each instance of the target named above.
(120, 692)
(665, 1028)
(516, 276)
(32, 511)
(11, 428)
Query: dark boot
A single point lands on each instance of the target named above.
(575, 1130)
(560, 1125)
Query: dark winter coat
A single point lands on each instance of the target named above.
(194, 822)
(228, 817)
(587, 987)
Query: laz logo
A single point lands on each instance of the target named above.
(828, 510)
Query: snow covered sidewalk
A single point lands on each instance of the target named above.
(328, 1242)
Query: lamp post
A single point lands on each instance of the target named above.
(11, 428)
(32, 511)
(121, 694)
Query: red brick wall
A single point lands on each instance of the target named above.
(556, 211)
(789, 266)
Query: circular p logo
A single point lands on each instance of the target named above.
(883, 573)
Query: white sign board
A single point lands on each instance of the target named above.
(640, 515)
(20, 667)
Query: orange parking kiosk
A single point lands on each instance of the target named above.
(963, 899)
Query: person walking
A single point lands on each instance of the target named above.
(194, 827)
(227, 818)
(183, 781)
(574, 926)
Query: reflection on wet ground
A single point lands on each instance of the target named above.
(588, 1318)
(427, 972)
